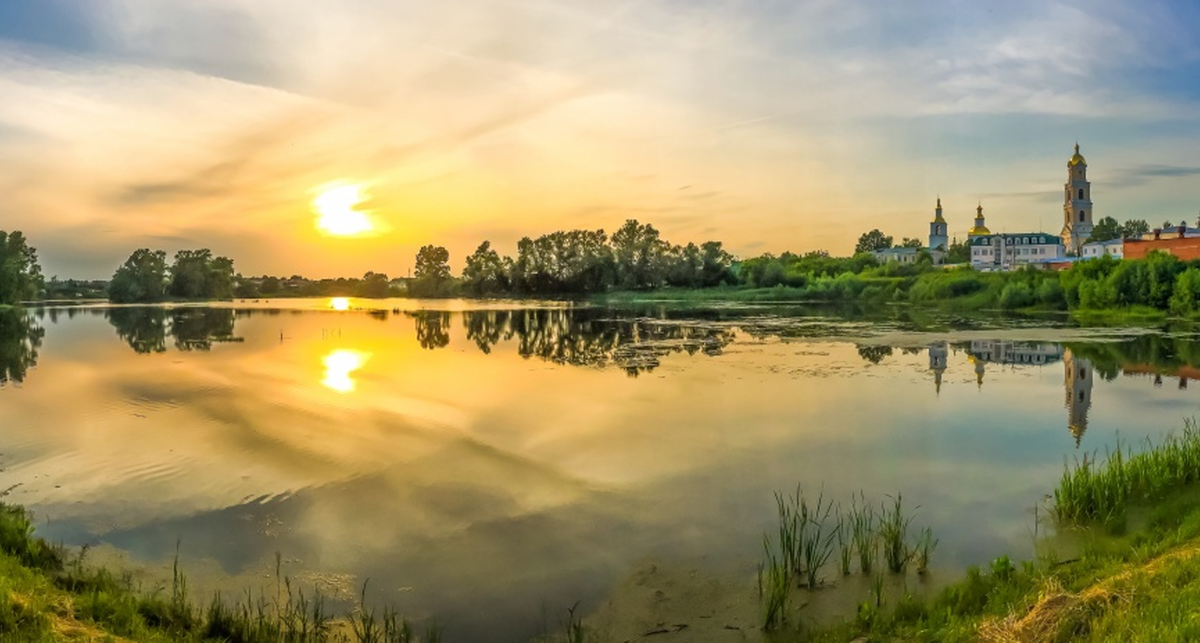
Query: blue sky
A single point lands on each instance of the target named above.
(771, 126)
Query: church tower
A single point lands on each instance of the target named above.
(937, 363)
(1078, 383)
(1077, 205)
(938, 238)
(979, 229)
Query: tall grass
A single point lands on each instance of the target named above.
(114, 603)
(1092, 491)
(893, 532)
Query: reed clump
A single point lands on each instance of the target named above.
(810, 531)
(1092, 490)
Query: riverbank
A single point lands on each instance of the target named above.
(1121, 567)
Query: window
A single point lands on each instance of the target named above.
(1081, 216)
(1081, 193)
(1082, 374)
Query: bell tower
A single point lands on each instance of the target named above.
(938, 237)
(1077, 204)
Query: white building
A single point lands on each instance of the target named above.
(1008, 352)
(1114, 248)
(1008, 251)
(899, 255)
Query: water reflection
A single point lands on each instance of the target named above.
(433, 328)
(339, 365)
(20, 339)
(1078, 384)
(145, 329)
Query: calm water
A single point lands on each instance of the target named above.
(492, 465)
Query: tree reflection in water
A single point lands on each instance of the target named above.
(20, 339)
(145, 328)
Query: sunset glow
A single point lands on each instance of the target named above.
(339, 303)
(339, 365)
(336, 214)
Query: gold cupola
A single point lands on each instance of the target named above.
(1077, 159)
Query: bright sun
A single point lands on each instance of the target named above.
(336, 214)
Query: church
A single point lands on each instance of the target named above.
(1010, 250)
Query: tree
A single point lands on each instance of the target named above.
(958, 252)
(639, 254)
(909, 242)
(432, 272)
(197, 274)
(374, 285)
(433, 262)
(1167, 224)
(485, 273)
(872, 241)
(141, 279)
(20, 274)
(1135, 228)
(1106, 229)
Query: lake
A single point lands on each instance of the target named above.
(491, 464)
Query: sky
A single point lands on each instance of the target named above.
(768, 125)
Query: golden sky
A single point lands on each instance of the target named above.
(769, 126)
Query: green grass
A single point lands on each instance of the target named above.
(47, 596)
(1102, 491)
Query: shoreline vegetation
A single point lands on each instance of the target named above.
(1127, 573)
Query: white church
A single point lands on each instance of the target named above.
(1010, 250)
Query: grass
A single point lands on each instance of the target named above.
(1101, 491)
(47, 596)
(1139, 585)
(805, 541)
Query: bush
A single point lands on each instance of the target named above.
(1017, 295)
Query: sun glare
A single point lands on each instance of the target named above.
(339, 365)
(335, 211)
(339, 303)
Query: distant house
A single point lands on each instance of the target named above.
(899, 255)
(1114, 248)
(1008, 251)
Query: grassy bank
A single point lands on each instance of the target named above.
(1133, 577)
(47, 596)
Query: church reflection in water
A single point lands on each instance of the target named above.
(1077, 379)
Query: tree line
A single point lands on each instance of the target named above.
(145, 277)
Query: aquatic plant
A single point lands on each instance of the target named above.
(845, 538)
(862, 527)
(778, 582)
(926, 543)
(816, 540)
(893, 531)
(1101, 492)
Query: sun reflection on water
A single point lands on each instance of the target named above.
(339, 365)
(340, 303)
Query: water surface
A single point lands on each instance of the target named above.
(491, 464)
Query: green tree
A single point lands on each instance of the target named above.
(1185, 299)
(141, 279)
(1106, 229)
(1135, 228)
(197, 274)
(909, 242)
(20, 274)
(484, 273)
(432, 272)
(639, 254)
(958, 252)
(872, 241)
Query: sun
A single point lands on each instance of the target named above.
(334, 207)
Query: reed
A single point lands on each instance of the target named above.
(845, 539)
(893, 531)
(926, 543)
(778, 583)
(1101, 491)
(862, 527)
(816, 538)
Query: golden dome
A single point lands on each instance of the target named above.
(978, 230)
(1077, 159)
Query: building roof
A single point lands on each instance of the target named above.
(937, 213)
(978, 230)
(898, 250)
(1035, 238)
(1110, 242)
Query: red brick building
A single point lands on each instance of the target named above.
(1185, 248)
